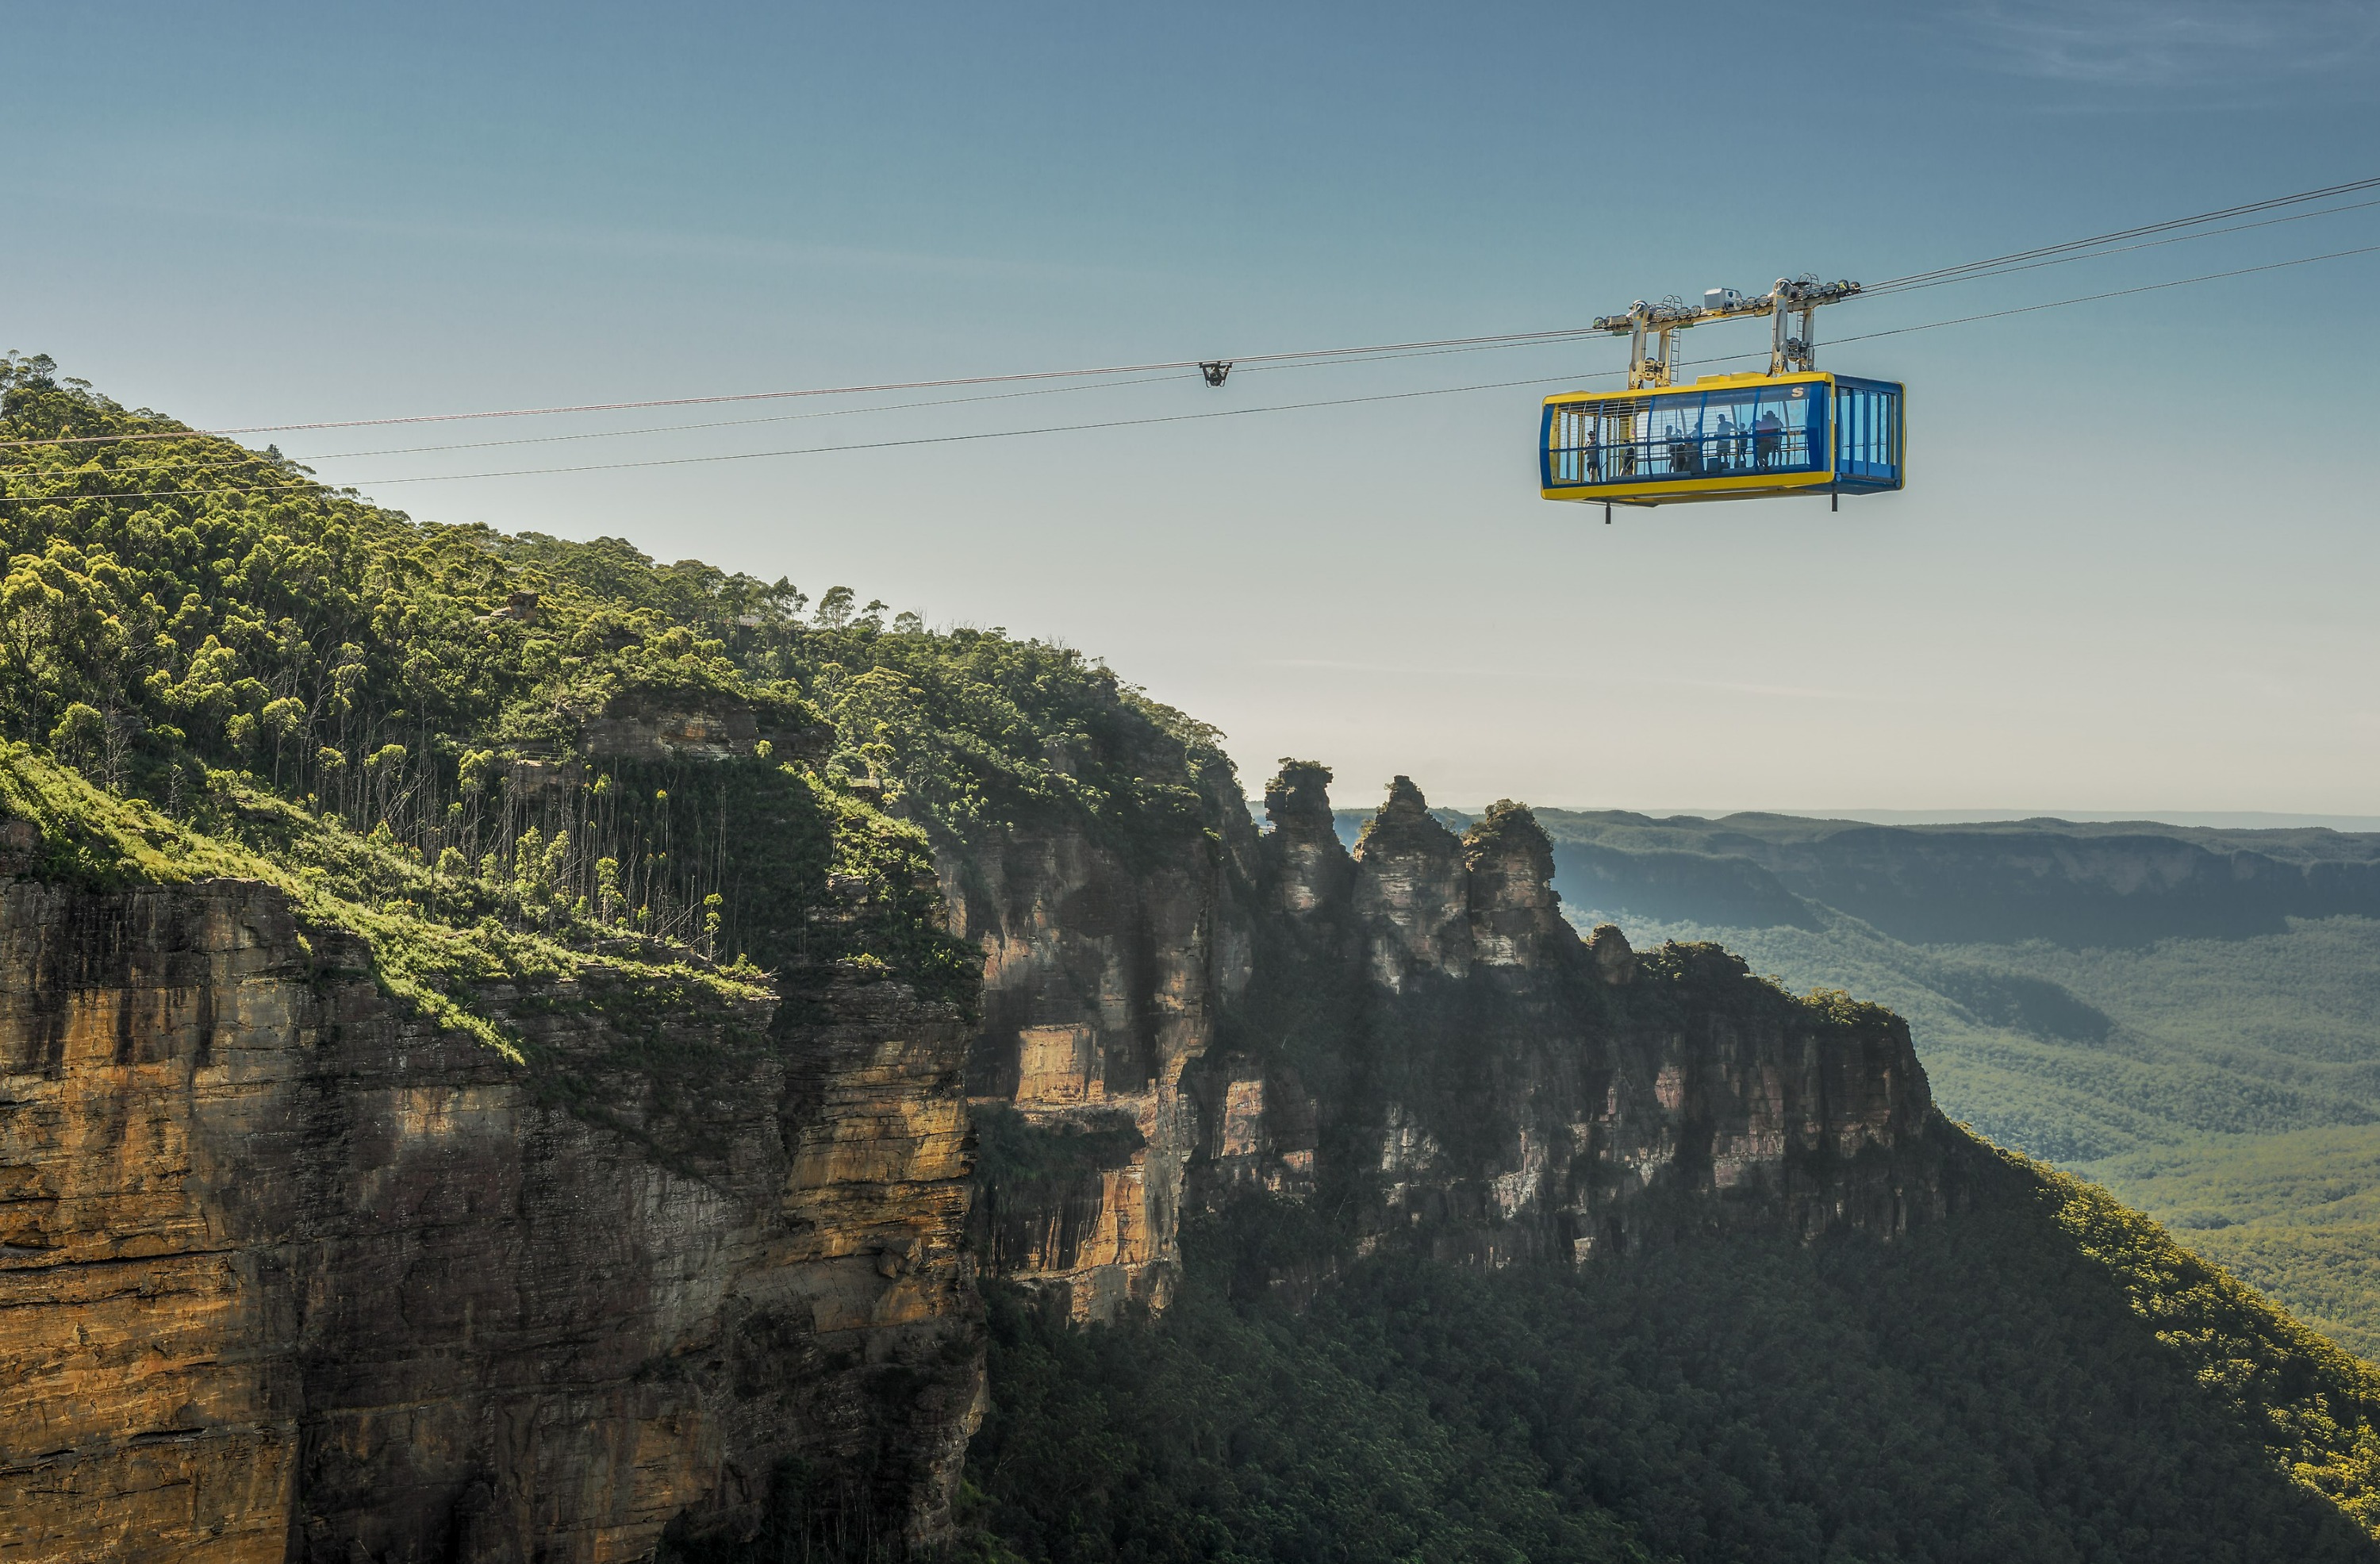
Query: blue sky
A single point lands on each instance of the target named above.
(2133, 570)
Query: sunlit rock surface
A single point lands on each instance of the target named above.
(286, 1274)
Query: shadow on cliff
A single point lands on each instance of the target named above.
(1989, 1387)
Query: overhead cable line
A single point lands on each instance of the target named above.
(1881, 289)
(318, 490)
(1278, 360)
(1381, 350)
(740, 423)
(732, 423)
(851, 413)
(2350, 187)
(1347, 356)
(310, 488)
(2082, 249)
(2113, 293)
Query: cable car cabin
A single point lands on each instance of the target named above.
(1727, 436)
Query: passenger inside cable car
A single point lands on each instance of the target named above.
(1770, 434)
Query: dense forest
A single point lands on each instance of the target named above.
(210, 664)
(398, 712)
(2049, 1378)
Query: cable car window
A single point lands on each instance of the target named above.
(1725, 431)
(1867, 430)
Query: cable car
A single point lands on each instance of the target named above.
(1796, 429)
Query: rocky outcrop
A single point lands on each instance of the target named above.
(644, 725)
(1420, 1042)
(1107, 964)
(1515, 917)
(1412, 891)
(1518, 1093)
(1310, 867)
(289, 1274)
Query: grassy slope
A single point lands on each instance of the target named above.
(282, 683)
(456, 951)
(434, 941)
(334, 696)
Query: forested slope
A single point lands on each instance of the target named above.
(2047, 1378)
(615, 748)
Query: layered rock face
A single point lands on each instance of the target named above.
(1107, 965)
(289, 1276)
(1507, 1091)
(1418, 1037)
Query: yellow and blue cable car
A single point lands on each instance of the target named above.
(1727, 436)
(1793, 429)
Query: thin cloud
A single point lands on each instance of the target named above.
(2158, 44)
(446, 232)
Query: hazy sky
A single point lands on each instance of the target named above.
(2134, 568)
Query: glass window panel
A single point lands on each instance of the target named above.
(1867, 424)
(1721, 432)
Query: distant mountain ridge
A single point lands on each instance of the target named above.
(2076, 884)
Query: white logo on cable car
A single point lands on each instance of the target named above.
(1795, 391)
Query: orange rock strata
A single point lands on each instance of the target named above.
(286, 1274)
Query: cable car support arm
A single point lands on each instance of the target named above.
(1664, 321)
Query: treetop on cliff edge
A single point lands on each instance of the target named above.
(1300, 793)
(1509, 827)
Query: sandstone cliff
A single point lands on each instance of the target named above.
(1413, 1035)
(1108, 961)
(288, 1274)
(291, 1272)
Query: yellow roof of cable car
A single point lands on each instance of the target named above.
(1701, 382)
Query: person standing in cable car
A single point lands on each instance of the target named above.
(1724, 446)
(1768, 435)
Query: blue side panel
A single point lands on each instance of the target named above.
(1868, 433)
